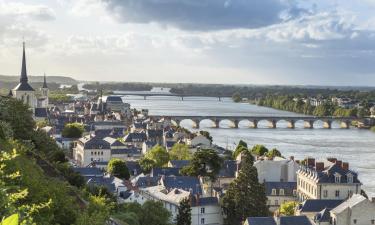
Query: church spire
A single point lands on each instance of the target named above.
(24, 78)
(45, 81)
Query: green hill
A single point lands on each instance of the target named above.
(39, 79)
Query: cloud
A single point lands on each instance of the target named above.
(24, 11)
(203, 14)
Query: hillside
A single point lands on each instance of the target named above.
(39, 79)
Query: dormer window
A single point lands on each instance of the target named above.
(282, 192)
(337, 178)
(350, 178)
(273, 191)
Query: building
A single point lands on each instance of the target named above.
(312, 207)
(356, 210)
(284, 220)
(277, 169)
(329, 179)
(280, 192)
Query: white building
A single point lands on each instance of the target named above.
(276, 170)
(357, 210)
(330, 179)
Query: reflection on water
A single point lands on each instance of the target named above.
(352, 145)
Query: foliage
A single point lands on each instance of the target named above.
(6, 130)
(373, 128)
(273, 153)
(245, 196)
(236, 97)
(180, 152)
(184, 213)
(259, 150)
(47, 147)
(72, 177)
(159, 155)
(18, 116)
(150, 213)
(118, 168)
(242, 146)
(56, 98)
(41, 123)
(206, 134)
(288, 208)
(73, 130)
(97, 213)
(205, 162)
(146, 164)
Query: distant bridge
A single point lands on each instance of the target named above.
(146, 94)
(308, 121)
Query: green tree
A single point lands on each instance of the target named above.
(184, 213)
(118, 168)
(242, 146)
(236, 97)
(180, 152)
(288, 208)
(159, 155)
(6, 131)
(273, 153)
(146, 164)
(205, 162)
(259, 150)
(154, 213)
(97, 213)
(73, 130)
(245, 196)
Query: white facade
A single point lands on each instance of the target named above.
(276, 170)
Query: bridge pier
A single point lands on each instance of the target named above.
(217, 123)
(144, 97)
(196, 124)
(309, 124)
(219, 99)
(182, 98)
(291, 124)
(255, 124)
(236, 122)
(272, 124)
(327, 124)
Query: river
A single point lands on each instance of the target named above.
(352, 145)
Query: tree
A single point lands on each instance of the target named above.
(118, 168)
(6, 131)
(180, 152)
(206, 134)
(146, 164)
(242, 146)
(259, 150)
(245, 196)
(73, 130)
(205, 162)
(97, 213)
(184, 213)
(273, 153)
(159, 155)
(154, 213)
(288, 208)
(236, 97)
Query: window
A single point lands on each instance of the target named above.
(325, 193)
(202, 220)
(355, 221)
(337, 178)
(203, 210)
(273, 191)
(92, 153)
(337, 193)
(372, 221)
(281, 191)
(92, 159)
(276, 202)
(102, 153)
(350, 178)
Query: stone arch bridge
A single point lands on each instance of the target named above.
(308, 121)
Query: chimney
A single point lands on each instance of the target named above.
(291, 158)
(339, 163)
(345, 165)
(319, 166)
(197, 199)
(332, 160)
(310, 162)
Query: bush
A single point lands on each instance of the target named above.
(73, 130)
(118, 168)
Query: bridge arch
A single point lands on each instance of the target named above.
(285, 123)
(190, 122)
(230, 123)
(207, 122)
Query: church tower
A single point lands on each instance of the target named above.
(45, 91)
(23, 91)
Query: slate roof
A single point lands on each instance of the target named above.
(294, 220)
(94, 143)
(88, 171)
(186, 183)
(147, 181)
(109, 182)
(179, 163)
(134, 167)
(158, 172)
(317, 205)
(261, 221)
(140, 125)
(128, 151)
(113, 142)
(229, 169)
(41, 112)
(103, 133)
(206, 201)
(169, 144)
(23, 86)
(350, 203)
(155, 133)
(113, 98)
(287, 186)
(135, 137)
(323, 216)
(150, 143)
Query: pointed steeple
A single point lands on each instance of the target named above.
(45, 81)
(24, 78)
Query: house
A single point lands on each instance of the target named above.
(226, 174)
(311, 207)
(155, 136)
(116, 104)
(276, 169)
(198, 140)
(329, 179)
(280, 192)
(135, 139)
(190, 184)
(158, 172)
(178, 163)
(355, 210)
(284, 220)
(147, 145)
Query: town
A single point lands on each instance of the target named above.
(137, 158)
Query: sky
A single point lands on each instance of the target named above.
(285, 42)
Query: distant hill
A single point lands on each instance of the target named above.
(39, 79)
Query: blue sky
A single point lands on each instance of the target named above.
(311, 42)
